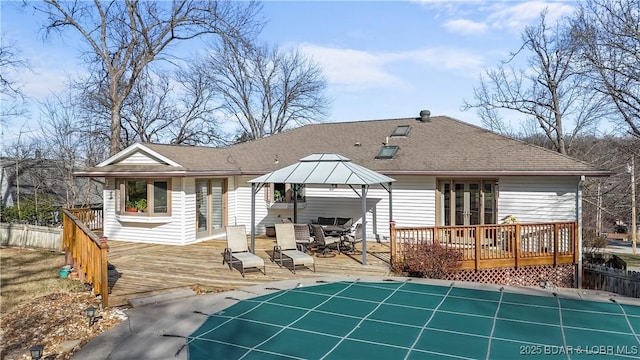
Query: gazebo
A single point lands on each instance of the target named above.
(331, 169)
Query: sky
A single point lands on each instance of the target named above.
(381, 59)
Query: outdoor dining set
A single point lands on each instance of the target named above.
(295, 244)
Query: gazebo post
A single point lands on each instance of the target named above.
(295, 203)
(390, 203)
(253, 218)
(363, 202)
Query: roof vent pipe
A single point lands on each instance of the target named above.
(425, 116)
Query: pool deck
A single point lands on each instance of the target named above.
(159, 330)
(145, 272)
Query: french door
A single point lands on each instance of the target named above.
(467, 202)
(210, 206)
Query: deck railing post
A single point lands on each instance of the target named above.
(477, 247)
(392, 242)
(104, 272)
(576, 246)
(556, 234)
(517, 246)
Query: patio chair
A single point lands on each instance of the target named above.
(237, 254)
(287, 251)
(303, 236)
(352, 239)
(325, 242)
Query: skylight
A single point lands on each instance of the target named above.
(387, 152)
(402, 130)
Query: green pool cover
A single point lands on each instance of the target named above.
(405, 320)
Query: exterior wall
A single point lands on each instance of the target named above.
(178, 231)
(529, 199)
(413, 205)
(538, 199)
(188, 210)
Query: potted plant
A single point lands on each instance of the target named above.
(131, 206)
(141, 205)
(277, 195)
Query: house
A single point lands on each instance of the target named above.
(447, 173)
(20, 178)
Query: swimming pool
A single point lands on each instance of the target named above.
(411, 320)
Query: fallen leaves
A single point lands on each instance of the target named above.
(55, 321)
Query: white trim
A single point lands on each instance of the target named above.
(132, 149)
(143, 219)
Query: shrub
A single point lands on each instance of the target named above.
(36, 211)
(431, 260)
(591, 242)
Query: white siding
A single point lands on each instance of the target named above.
(413, 205)
(188, 210)
(529, 199)
(414, 201)
(176, 232)
(139, 158)
(538, 199)
(242, 196)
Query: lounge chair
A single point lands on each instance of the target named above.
(325, 242)
(237, 254)
(287, 251)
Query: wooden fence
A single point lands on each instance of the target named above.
(599, 277)
(89, 253)
(495, 246)
(32, 236)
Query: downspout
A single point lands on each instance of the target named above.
(579, 218)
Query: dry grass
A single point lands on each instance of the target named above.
(26, 274)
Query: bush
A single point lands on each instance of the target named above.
(45, 213)
(431, 260)
(591, 242)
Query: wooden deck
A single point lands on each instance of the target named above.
(140, 270)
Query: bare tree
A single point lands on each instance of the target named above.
(11, 96)
(124, 37)
(173, 108)
(265, 89)
(608, 36)
(547, 91)
(71, 144)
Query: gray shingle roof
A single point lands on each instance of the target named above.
(442, 146)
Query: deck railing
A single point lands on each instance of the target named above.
(492, 246)
(89, 253)
(90, 217)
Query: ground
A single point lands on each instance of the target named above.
(56, 321)
(40, 308)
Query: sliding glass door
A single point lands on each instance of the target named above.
(210, 206)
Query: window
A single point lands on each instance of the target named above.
(283, 193)
(402, 130)
(143, 197)
(387, 152)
